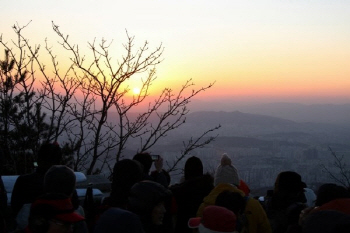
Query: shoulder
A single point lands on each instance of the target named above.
(118, 220)
(26, 177)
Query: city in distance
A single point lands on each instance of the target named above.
(263, 140)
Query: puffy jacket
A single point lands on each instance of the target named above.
(254, 212)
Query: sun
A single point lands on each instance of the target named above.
(136, 90)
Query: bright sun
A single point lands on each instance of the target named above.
(136, 91)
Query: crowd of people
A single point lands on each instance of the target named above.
(143, 201)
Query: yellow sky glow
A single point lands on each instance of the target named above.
(256, 49)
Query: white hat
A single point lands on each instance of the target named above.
(226, 172)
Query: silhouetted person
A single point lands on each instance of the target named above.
(286, 202)
(236, 203)
(332, 197)
(118, 220)
(28, 187)
(59, 179)
(3, 206)
(227, 179)
(148, 200)
(126, 173)
(52, 213)
(190, 193)
(327, 221)
(216, 219)
(331, 213)
(159, 175)
(329, 192)
(145, 208)
(113, 216)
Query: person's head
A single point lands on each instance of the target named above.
(59, 179)
(126, 173)
(115, 220)
(145, 159)
(328, 192)
(147, 199)
(52, 213)
(289, 181)
(231, 200)
(49, 154)
(326, 221)
(216, 219)
(193, 168)
(226, 173)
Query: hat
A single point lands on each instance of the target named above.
(59, 179)
(215, 219)
(226, 172)
(58, 208)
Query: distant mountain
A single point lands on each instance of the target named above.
(236, 117)
(318, 113)
(338, 114)
(241, 124)
(247, 142)
(324, 123)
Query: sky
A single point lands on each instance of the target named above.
(254, 51)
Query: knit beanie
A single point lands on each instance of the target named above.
(226, 172)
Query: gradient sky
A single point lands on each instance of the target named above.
(295, 51)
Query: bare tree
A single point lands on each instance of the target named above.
(342, 176)
(79, 100)
(106, 78)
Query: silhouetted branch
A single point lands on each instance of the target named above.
(191, 145)
(339, 163)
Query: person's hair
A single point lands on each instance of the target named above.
(60, 179)
(328, 192)
(49, 154)
(145, 195)
(126, 173)
(145, 159)
(231, 200)
(193, 168)
(288, 181)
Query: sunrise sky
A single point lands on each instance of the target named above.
(272, 51)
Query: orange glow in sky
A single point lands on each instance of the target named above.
(277, 50)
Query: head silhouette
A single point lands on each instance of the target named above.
(193, 168)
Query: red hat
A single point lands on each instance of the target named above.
(60, 209)
(215, 219)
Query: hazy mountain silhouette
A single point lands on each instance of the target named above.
(318, 113)
(236, 117)
(321, 123)
(264, 127)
